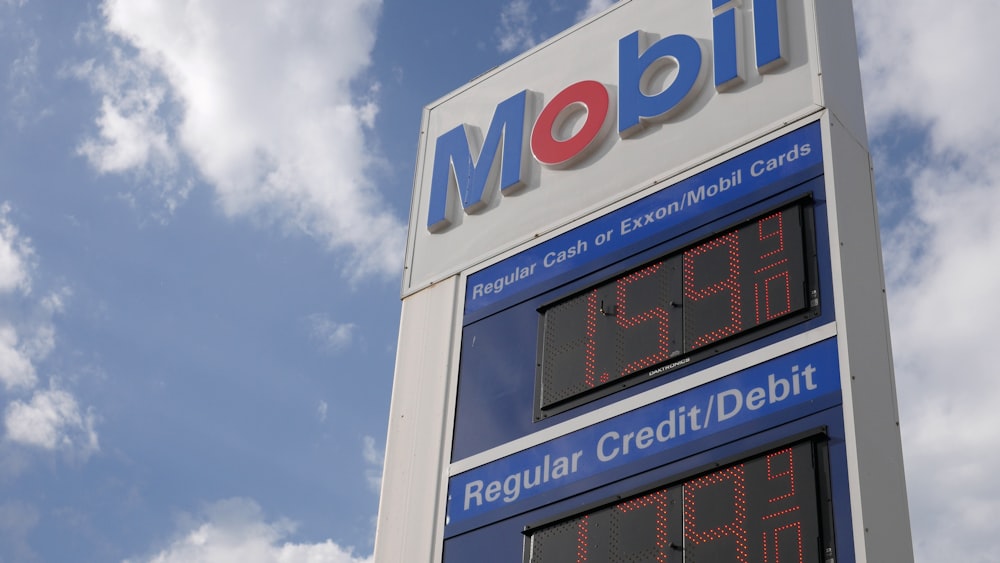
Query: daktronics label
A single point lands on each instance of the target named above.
(640, 61)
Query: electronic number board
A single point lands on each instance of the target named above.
(765, 508)
(715, 290)
(739, 275)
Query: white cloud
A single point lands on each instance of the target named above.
(16, 254)
(133, 133)
(55, 302)
(260, 97)
(595, 7)
(23, 84)
(42, 341)
(321, 410)
(235, 531)
(514, 31)
(930, 64)
(22, 80)
(375, 459)
(942, 302)
(52, 420)
(16, 369)
(332, 335)
(926, 70)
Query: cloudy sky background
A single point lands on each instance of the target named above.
(202, 213)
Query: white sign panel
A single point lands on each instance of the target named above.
(648, 89)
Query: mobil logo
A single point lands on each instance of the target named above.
(586, 107)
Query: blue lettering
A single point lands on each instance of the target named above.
(634, 106)
(767, 27)
(474, 179)
(727, 37)
(454, 165)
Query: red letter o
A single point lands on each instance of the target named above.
(548, 150)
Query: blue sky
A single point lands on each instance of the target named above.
(202, 218)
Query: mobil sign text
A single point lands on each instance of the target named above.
(587, 107)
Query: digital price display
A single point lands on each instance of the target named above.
(662, 314)
(765, 509)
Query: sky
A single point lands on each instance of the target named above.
(202, 219)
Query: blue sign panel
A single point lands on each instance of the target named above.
(775, 391)
(646, 219)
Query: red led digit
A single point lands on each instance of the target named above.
(696, 290)
(777, 238)
(780, 555)
(590, 361)
(771, 230)
(781, 466)
(659, 501)
(582, 539)
(659, 315)
(736, 528)
(766, 311)
(789, 473)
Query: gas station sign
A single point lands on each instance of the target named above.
(643, 318)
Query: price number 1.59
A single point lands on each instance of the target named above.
(710, 292)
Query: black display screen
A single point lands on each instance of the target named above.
(670, 311)
(765, 509)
